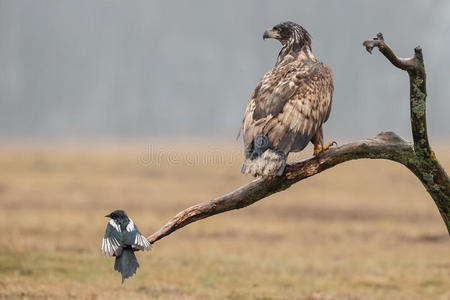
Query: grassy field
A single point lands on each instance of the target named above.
(362, 230)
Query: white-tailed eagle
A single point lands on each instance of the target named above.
(288, 106)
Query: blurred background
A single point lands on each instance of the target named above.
(136, 104)
(121, 69)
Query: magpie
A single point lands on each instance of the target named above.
(122, 238)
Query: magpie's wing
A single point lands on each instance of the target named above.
(111, 240)
(136, 239)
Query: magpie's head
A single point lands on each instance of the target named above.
(117, 214)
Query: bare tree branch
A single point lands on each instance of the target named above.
(424, 163)
(418, 92)
(420, 159)
(401, 63)
(386, 145)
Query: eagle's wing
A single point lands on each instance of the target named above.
(111, 239)
(289, 106)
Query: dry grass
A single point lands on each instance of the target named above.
(363, 230)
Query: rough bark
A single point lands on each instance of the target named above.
(419, 158)
(424, 163)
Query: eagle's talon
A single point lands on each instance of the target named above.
(328, 146)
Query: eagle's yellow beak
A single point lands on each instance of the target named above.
(271, 34)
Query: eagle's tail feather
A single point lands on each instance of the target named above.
(126, 263)
(268, 164)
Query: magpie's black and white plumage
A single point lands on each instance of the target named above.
(122, 238)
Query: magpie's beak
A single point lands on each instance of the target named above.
(108, 216)
(271, 34)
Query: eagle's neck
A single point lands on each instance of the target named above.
(295, 52)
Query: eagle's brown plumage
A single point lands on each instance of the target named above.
(288, 106)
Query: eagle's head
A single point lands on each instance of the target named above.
(289, 34)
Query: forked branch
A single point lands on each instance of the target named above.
(420, 159)
(424, 163)
(418, 90)
(405, 64)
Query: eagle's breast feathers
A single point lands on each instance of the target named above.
(289, 105)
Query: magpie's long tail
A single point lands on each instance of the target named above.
(126, 263)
